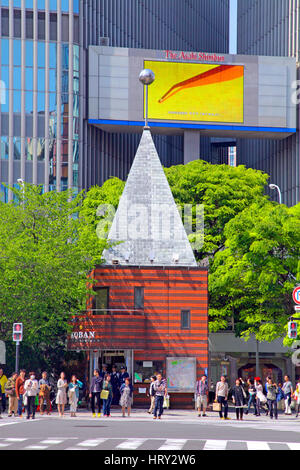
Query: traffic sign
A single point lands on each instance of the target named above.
(296, 295)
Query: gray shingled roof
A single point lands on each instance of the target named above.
(147, 221)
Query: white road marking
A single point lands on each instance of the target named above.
(293, 445)
(15, 439)
(173, 444)
(91, 442)
(215, 445)
(33, 447)
(131, 444)
(258, 445)
(4, 445)
(52, 441)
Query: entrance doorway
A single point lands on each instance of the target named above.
(111, 358)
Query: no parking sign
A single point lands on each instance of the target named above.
(296, 295)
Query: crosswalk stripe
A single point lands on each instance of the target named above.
(257, 445)
(16, 439)
(36, 447)
(131, 444)
(4, 445)
(52, 441)
(91, 442)
(215, 445)
(173, 444)
(293, 445)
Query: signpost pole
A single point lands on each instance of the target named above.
(257, 359)
(17, 356)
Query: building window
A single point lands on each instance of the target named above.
(185, 319)
(144, 370)
(139, 298)
(101, 301)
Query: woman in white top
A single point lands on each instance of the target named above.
(31, 387)
(61, 397)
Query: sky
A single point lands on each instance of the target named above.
(233, 27)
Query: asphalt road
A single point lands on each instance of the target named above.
(177, 431)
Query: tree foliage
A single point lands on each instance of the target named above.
(252, 279)
(47, 249)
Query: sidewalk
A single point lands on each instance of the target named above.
(174, 415)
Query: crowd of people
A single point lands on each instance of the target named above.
(30, 394)
(106, 389)
(264, 397)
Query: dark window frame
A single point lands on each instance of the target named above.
(106, 310)
(182, 319)
(139, 299)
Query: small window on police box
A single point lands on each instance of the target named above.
(138, 298)
(101, 301)
(185, 319)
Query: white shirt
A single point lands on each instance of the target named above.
(31, 387)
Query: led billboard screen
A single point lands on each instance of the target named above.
(196, 92)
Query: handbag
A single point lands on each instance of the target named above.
(166, 403)
(104, 394)
(216, 406)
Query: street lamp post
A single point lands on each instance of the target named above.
(146, 78)
(274, 186)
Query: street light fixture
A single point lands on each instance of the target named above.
(274, 186)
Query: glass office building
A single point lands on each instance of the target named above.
(45, 136)
(271, 27)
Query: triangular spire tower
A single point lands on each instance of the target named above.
(147, 224)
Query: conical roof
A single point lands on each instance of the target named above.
(147, 223)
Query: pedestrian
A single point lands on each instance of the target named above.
(260, 396)
(160, 387)
(20, 381)
(61, 396)
(108, 391)
(201, 395)
(10, 390)
(280, 397)
(95, 390)
(44, 393)
(31, 388)
(252, 397)
(271, 397)
(239, 399)
(3, 380)
(297, 398)
(126, 391)
(123, 375)
(287, 389)
(221, 396)
(73, 394)
(103, 371)
(115, 382)
(151, 394)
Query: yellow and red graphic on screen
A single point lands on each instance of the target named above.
(196, 92)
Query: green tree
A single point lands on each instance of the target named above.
(252, 279)
(224, 191)
(47, 249)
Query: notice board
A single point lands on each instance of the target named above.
(181, 374)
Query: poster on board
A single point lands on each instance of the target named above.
(181, 374)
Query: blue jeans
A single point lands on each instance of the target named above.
(107, 405)
(20, 405)
(159, 408)
(272, 404)
(252, 399)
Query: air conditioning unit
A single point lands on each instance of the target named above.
(103, 41)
